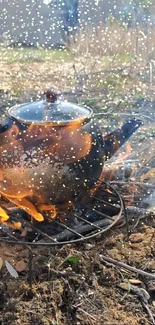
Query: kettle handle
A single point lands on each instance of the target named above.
(52, 94)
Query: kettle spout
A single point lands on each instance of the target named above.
(116, 139)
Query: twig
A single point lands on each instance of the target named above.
(83, 311)
(141, 216)
(144, 297)
(139, 211)
(124, 114)
(128, 267)
(136, 224)
(134, 213)
(146, 306)
(64, 273)
(82, 228)
(126, 219)
(131, 182)
(141, 293)
(30, 266)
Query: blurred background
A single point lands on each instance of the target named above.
(99, 52)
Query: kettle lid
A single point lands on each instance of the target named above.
(51, 111)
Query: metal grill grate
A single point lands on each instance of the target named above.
(101, 213)
(104, 209)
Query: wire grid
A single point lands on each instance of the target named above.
(105, 195)
(84, 229)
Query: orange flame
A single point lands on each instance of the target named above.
(125, 155)
(3, 215)
(119, 159)
(52, 210)
(109, 175)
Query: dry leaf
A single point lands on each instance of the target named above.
(20, 266)
(1, 263)
(11, 270)
(125, 286)
(135, 281)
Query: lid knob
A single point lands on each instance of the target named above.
(51, 94)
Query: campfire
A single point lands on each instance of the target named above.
(101, 210)
(125, 187)
(113, 198)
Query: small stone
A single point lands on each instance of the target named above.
(89, 246)
(68, 269)
(20, 266)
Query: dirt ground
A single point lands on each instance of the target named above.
(85, 290)
(82, 292)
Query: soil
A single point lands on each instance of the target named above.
(85, 291)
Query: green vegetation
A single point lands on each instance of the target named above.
(91, 102)
(123, 58)
(25, 55)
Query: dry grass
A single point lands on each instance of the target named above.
(114, 40)
(105, 67)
